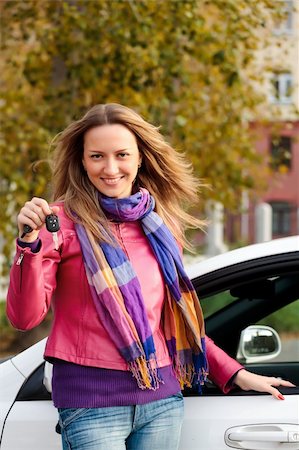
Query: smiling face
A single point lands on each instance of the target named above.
(111, 159)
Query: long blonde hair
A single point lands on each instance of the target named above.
(164, 172)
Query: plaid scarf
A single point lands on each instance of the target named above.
(118, 299)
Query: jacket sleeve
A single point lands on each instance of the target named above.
(221, 366)
(32, 283)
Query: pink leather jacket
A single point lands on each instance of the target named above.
(57, 278)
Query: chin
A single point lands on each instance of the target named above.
(112, 194)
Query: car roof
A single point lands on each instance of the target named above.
(249, 253)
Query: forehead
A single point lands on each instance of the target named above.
(110, 136)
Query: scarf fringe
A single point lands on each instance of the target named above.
(146, 373)
(188, 375)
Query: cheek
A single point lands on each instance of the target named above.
(135, 166)
(91, 169)
(134, 172)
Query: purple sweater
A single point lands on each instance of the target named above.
(75, 386)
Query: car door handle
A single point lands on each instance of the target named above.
(265, 436)
(247, 436)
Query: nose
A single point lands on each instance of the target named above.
(111, 166)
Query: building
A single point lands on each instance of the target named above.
(277, 137)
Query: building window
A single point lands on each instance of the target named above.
(281, 153)
(282, 86)
(285, 24)
(281, 218)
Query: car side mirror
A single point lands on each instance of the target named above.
(258, 343)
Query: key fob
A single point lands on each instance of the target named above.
(52, 223)
(26, 229)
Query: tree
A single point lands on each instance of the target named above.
(185, 65)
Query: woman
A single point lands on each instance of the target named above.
(128, 332)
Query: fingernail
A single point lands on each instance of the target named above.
(281, 397)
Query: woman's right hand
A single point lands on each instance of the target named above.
(34, 214)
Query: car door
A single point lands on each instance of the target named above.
(31, 419)
(250, 291)
(213, 421)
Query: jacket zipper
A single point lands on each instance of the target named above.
(20, 259)
(19, 263)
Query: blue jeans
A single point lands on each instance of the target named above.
(154, 426)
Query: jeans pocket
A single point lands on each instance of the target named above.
(68, 415)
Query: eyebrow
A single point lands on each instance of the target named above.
(114, 151)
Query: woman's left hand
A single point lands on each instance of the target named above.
(251, 381)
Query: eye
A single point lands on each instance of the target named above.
(123, 155)
(96, 156)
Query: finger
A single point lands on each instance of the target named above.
(27, 217)
(26, 220)
(281, 382)
(34, 213)
(43, 204)
(286, 383)
(276, 394)
(55, 209)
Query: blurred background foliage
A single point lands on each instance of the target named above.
(187, 66)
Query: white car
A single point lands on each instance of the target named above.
(238, 290)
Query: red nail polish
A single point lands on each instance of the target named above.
(281, 397)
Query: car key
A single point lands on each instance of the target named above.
(27, 229)
(52, 225)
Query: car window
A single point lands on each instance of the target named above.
(286, 323)
(285, 320)
(216, 302)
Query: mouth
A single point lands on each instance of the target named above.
(111, 181)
